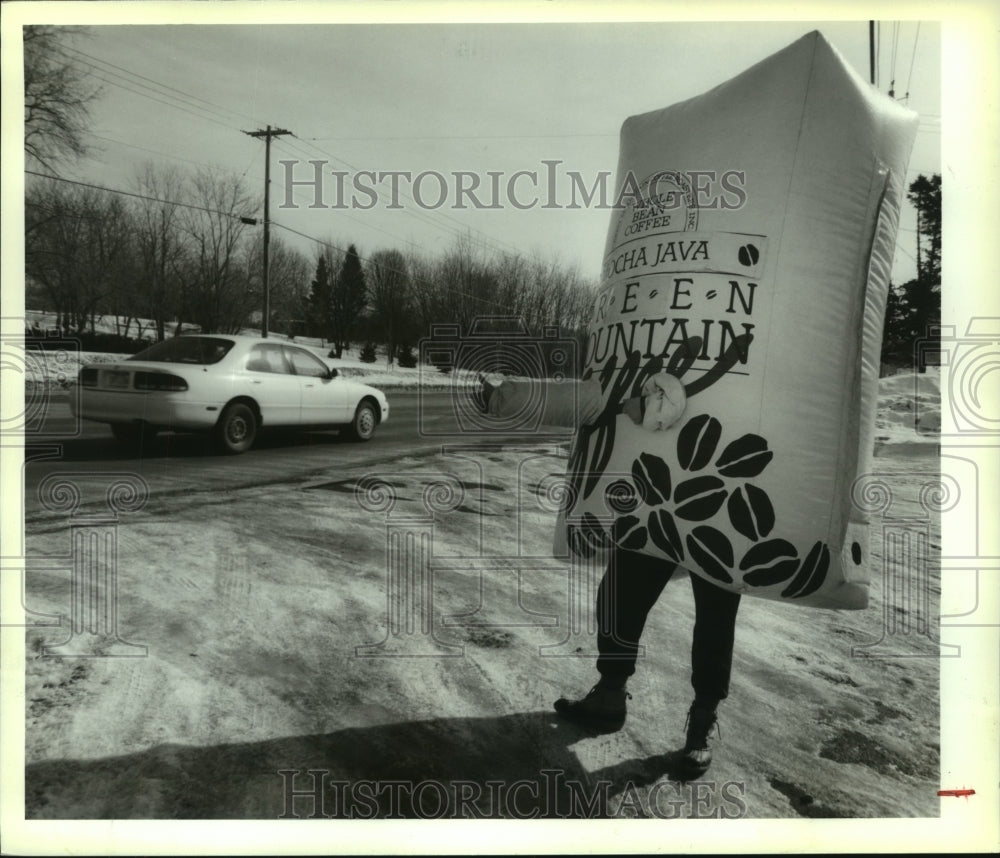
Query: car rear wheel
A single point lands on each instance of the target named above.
(365, 420)
(237, 428)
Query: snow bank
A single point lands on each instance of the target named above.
(909, 408)
(909, 403)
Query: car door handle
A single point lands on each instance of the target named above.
(255, 381)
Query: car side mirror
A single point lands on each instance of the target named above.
(333, 372)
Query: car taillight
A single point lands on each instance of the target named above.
(88, 377)
(158, 381)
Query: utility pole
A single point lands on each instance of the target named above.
(267, 135)
(871, 50)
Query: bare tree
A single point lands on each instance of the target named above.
(57, 96)
(389, 290)
(512, 284)
(427, 295)
(469, 284)
(159, 243)
(80, 251)
(288, 279)
(215, 292)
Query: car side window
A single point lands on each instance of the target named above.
(305, 363)
(265, 357)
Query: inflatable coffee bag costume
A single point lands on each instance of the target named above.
(742, 301)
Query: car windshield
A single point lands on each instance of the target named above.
(201, 350)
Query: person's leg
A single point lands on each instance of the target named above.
(712, 645)
(711, 666)
(630, 587)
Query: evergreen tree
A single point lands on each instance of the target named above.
(350, 296)
(925, 196)
(914, 309)
(921, 298)
(319, 308)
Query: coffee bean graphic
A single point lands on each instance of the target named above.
(697, 441)
(632, 541)
(621, 496)
(699, 498)
(712, 551)
(663, 532)
(750, 512)
(819, 574)
(811, 573)
(659, 473)
(748, 255)
(747, 456)
(652, 479)
(769, 562)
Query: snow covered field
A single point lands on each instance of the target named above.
(270, 648)
(53, 370)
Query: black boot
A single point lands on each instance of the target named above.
(602, 709)
(697, 756)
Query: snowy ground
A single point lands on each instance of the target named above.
(270, 648)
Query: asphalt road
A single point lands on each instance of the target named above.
(84, 455)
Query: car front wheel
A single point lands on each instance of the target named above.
(237, 428)
(365, 420)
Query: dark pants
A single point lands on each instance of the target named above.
(630, 587)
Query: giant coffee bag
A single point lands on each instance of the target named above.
(750, 257)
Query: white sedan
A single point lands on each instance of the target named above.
(228, 385)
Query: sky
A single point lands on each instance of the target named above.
(444, 97)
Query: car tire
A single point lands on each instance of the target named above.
(237, 428)
(133, 434)
(365, 420)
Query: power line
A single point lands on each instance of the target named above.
(878, 54)
(892, 65)
(187, 95)
(425, 217)
(419, 216)
(372, 226)
(156, 151)
(465, 137)
(199, 113)
(180, 107)
(342, 213)
(913, 56)
(132, 194)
